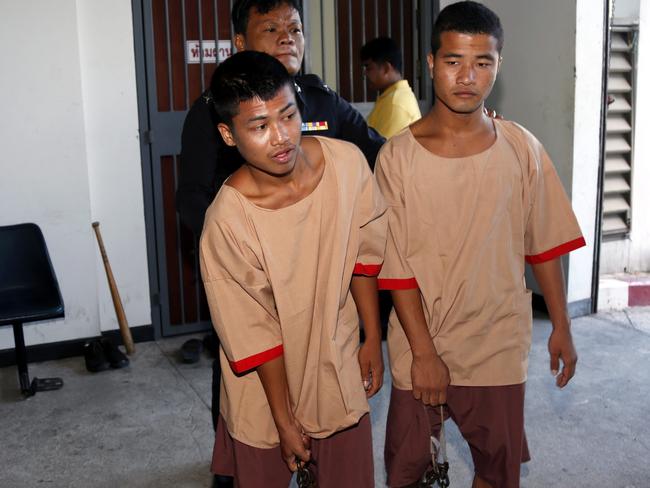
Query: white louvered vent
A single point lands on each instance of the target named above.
(618, 145)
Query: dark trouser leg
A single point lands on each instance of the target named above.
(216, 385)
(408, 428)
(345, 459)
(219, 480)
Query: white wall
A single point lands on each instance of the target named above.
(44, 172)
(590, 25)
(113, 153)
(550, 83)
(70, 155)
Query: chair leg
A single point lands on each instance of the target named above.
(37, 384)
(21, 359)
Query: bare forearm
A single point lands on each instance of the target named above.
(429, 374)
(550, 278)
(294, 443)
(274, 380)
(408, 306)
(364, 293)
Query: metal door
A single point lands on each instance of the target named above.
(408, 22)
(336, 30)
(176, 54)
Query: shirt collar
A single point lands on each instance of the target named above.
(398, 85)
(300, 96)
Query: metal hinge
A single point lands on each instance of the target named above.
(147, 137)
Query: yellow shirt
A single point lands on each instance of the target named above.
(394, 109)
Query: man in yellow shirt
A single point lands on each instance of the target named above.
(396, 106)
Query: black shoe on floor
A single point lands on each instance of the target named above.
(95, 358)
(191, 351)
(220, 481)
(116, 358)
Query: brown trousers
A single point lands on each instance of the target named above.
(490, 418)
(342, 460)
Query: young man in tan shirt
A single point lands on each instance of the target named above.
(290, 251)
(471, 200)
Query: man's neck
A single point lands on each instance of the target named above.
(395, 78)
(454, 135)
(447, 121)
(278, 191)
(269, 183)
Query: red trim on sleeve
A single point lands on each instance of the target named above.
(367, 269)
(255, 360)
(397, 283)
(556, 251)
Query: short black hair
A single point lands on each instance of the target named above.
(244, 76)
(383, 50)
(467, 17)
(242, 8)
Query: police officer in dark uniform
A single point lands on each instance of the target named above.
(207, 161)
(273, 27)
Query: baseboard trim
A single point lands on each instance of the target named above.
(143, 333)
(579, 308)
(66, 349)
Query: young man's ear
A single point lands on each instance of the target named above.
(226, 134)
(240, 42)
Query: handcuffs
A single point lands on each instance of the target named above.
(438, 473)
(304, 477)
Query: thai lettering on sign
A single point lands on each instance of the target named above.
(211, 52)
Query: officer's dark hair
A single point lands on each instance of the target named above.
(242, 8)
(383, 50)
(244, 76)
(467, 17)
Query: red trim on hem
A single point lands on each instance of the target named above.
(255, 360)
(367, 269)
(556, 251)
(397, 283)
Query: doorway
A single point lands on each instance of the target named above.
(178, 43)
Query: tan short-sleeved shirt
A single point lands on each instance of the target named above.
(277, 282)
(461, 230)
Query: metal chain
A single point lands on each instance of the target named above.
(305, 477)
(438, 474)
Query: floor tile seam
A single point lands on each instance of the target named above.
(633, 324)
(179, 373)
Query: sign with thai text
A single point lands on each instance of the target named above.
(211, 52)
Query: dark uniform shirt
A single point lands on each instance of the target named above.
(206, 161)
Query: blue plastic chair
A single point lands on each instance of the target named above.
(29, 292)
